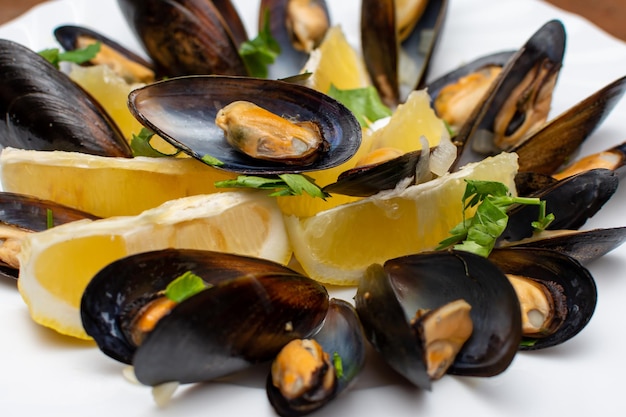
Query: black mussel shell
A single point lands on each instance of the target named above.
(235, 324)
(68, 35)
(116, 288)
(389, 296)
(182, 111)
(342, 334)
(184, 37)
(560, 273)
(371, 179)
(572, 200)
(41, 108)
(583, 245)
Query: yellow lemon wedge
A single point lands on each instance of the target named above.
(105, 186)
(57, 264)
(337, 245)
(336, 62)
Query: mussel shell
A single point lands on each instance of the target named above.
(182, 111)
(42, 109)
(119, 285)
(554, 144)
(389, 296)
(184, 37)
(546, 45)
(572, 200)
(499, 59)
(227, 328)
(550, 267)
(343, 334)
(68, 35)
(369, 180)
(583, 245)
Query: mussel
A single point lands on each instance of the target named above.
(183, 111)
(250, 309)
(308, 373)
(557, 294)
(392, 296)
(130, 66)
(185, 37)
(43, 109)
(398, 40)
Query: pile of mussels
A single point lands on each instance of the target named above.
(426, 314)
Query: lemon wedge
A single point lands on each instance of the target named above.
(57, 264)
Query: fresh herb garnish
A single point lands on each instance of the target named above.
(364, 103)
(76, 56)
(479, 233)
(185, 286)
(211, 160)
(141, 146)
(261, 51)
(49, 219)
(282, 184)
(338, 364)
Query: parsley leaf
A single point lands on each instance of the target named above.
(364, 103)
(77, 56)
(185, 286)
(479, 233)
(141, 146)
(282, 185)
(261, 51)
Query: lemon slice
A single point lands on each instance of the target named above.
(105, 186)
(336, 62)
(57, 264)
(337, 245)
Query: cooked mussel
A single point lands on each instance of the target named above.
(519, 100)
(557, 294)
(308, 373)
(183, 111)
(129, 65)
(21, 214)
(43, 109)
(249, 311)
(185, 37)
(398, 40)
(390, 296)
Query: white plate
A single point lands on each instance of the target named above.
(47, 374)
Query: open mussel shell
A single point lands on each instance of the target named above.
(572, 200)
(186, 37)
(310, 16)
(341, 335)
(389, 296)
(503, 118)
(371, 179)
(121, 286)
(383, 50)
(182, 111)
(572, 285)
(583, 245)
(546, 150)
(42, 109)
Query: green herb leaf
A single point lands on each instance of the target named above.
(338, 364)
(141, 146)
(261, 51)
(49, 219)
(77, 56)
(479, 233)
(211, 160)
(282, 185)
(185, 286)
(364, 103)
